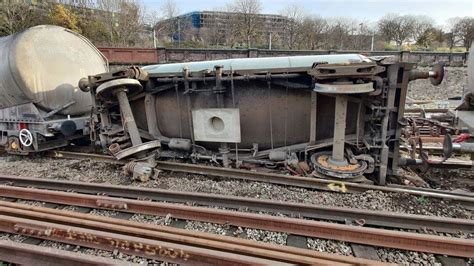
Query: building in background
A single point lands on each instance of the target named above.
(215, 27)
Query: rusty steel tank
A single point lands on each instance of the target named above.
(41, 106)
(43, 64)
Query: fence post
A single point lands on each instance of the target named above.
(161, 56)
(405, 56)
(252, 53)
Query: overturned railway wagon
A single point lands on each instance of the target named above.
(41, 106)
(340, 115)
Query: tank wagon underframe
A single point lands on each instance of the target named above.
(41, 106)
(40, 131)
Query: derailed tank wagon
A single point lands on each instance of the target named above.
(339, 115)
(41, 106)
(335, 116)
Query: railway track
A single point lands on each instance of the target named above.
(17, 185)
(309, 228)
(154, 242)
(465, 199)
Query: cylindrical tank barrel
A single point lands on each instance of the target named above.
(43, 65)
(270, 113)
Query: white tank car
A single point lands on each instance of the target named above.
(41, 106)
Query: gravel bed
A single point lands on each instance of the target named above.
(12, 237)
(240, 232)
(148, 219)
(86, 171)
(406, 257)
(31, 203)
(105, 213)
(331, 246)
(70, 208)
(73, 170)
(454, 80)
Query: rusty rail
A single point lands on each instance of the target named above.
(151, 241)
(374, 218)
(354, 234)
(18, 253)
(466, 200)
(158, 250)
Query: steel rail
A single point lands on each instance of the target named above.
(175, 235)
(354, 234)
(333, 213)
(464, 199)
(308, 182)
(131, 245)
(24, 254)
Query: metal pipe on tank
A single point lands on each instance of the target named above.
(224, 147)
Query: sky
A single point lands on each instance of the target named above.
(365, 10)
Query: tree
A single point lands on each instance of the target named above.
(423, 30)
(233, 33)
(439, 36)
(95, 30)
(311, 32)
(17, 16)
(247, 20)
(170, 9)
(339, 31)
(62, 16)
(463, 31)
(124, 20)
(169, 25)
(396, 28)
(295, 15)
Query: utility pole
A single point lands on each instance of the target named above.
(270, 41)
(179, 33)
(154, 37)
(372, 43)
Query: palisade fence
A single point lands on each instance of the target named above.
(144, 56)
